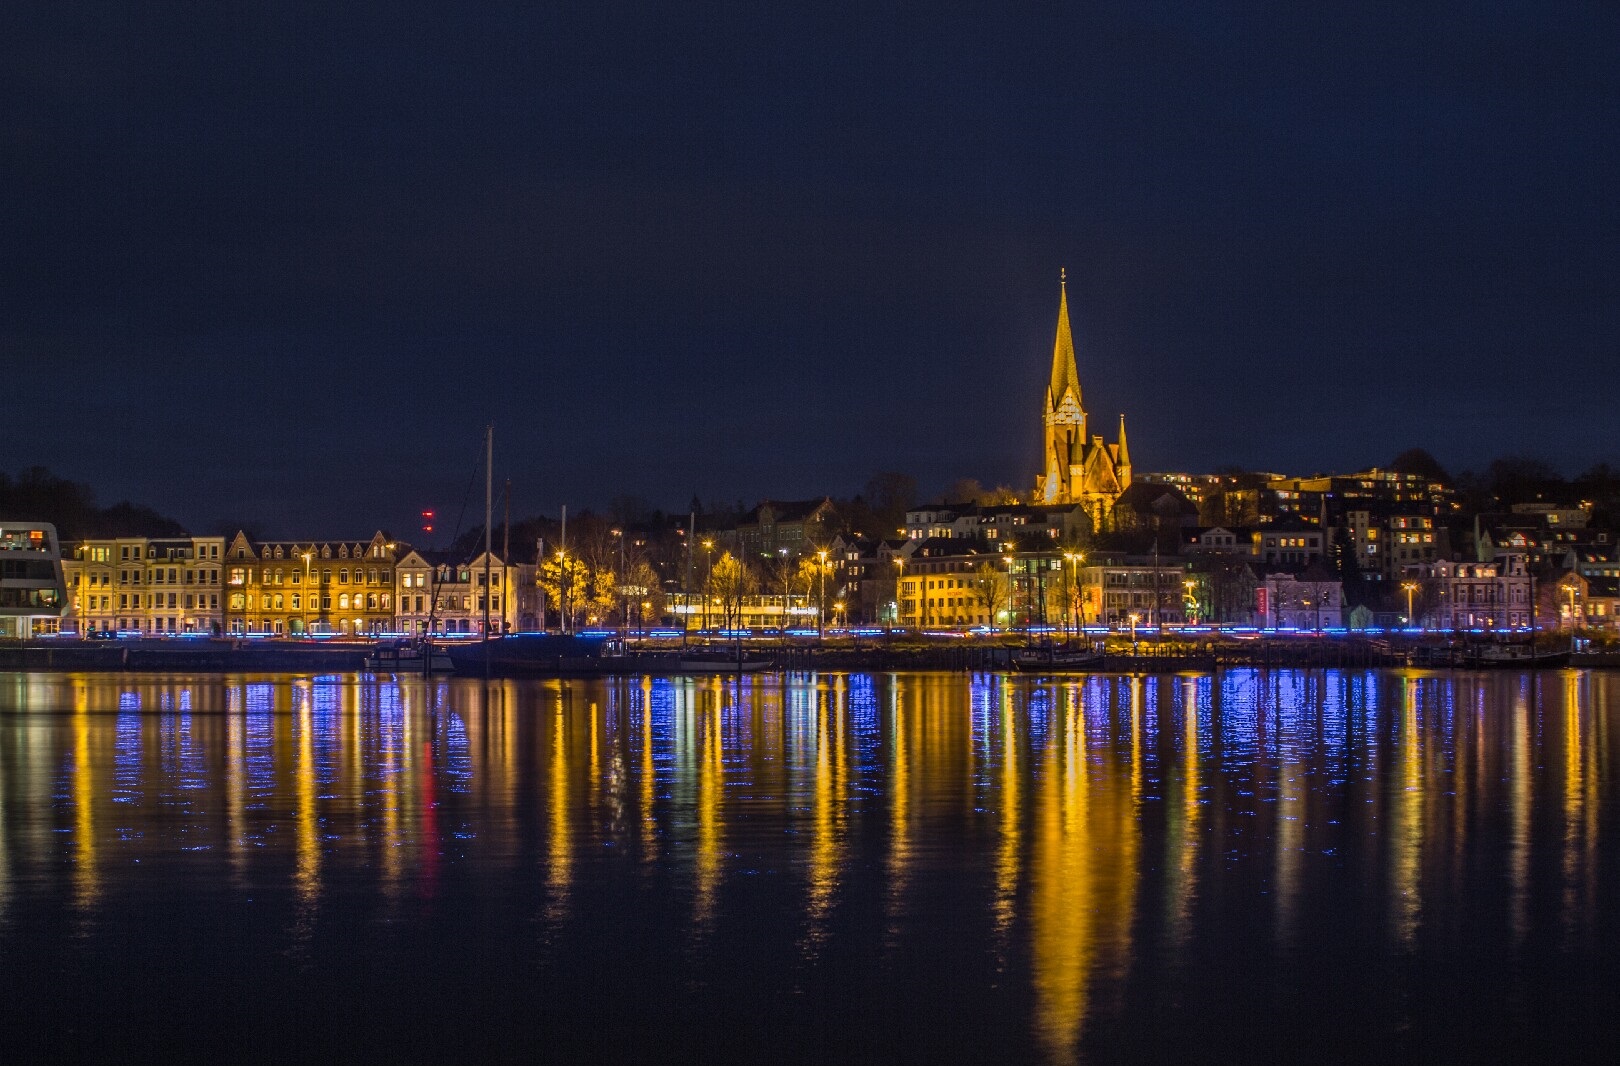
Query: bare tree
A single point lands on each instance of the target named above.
(990, 582)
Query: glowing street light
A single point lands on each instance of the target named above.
(307, 557)
(708, 579)
(1410, 587)
(821, 596)
(899, 578)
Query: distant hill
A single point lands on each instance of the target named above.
(39, 495)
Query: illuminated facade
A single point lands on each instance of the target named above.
(1121, 590)
(289, 588)
(1079, 469)
(440, 596)
(149, 585)
(1472, 595)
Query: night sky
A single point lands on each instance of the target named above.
(280, 263)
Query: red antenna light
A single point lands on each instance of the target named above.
(427, 521)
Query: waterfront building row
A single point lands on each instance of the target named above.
(243, 586)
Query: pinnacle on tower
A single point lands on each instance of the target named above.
(1064, 374)
(1124, 451)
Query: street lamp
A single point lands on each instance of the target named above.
(899, 579)
(783, 552)
(821, 595)
(565, 586)
(708, 580)
(624, 606)
(1410, 587)
(1571, 589)
(307, 557)
(1012, 600)
(1192, 601)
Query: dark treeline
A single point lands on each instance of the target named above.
(38, 495)
(1521, 479)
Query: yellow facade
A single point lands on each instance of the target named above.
(146, 585)
(289, 588)
(951, 598)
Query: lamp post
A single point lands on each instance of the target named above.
(899, 583)
(564, 585)
(624, 605)
(1571, 589)
(1012, 599)
(783, 552)
(307, 557)
(708, 580)
(1409, 587)
(821, 595)
(1191, 613)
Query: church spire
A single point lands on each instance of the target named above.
(1124, 450)
(1064, 374)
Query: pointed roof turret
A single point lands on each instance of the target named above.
(1124, 451)
(1064, 374)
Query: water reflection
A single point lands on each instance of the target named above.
(1081, 848)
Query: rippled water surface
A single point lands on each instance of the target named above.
(1339, 866)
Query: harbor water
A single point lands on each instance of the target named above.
(1295, 865)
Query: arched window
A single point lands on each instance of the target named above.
(343, 602)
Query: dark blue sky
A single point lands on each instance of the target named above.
(281, 262)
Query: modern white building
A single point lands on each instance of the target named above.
(33, 592)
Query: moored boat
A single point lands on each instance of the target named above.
(539, 655)
(722, 664)
(1050, 660)
(1513, 657)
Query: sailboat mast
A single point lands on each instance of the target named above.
(489, 484)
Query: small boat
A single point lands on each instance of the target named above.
(1512, 657)
(722, 664)
(539, 655)
(1049, 660)
(408, 660)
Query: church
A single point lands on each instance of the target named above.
(1080, 469)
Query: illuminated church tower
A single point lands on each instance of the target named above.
(1078, 469)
